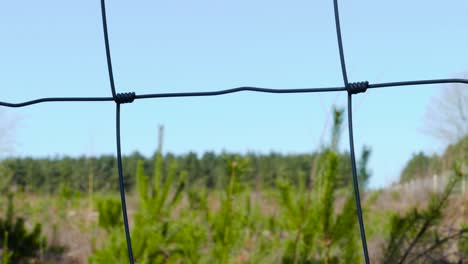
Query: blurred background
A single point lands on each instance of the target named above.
(277, 164)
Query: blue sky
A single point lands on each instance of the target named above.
(55, 48)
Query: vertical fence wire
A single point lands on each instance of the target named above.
(357, 197)
(121, 185)
(355, 181)
(122, 98)
(106, 43)
(117, 133)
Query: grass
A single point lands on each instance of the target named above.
(73, 223)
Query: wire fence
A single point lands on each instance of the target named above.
(434, 183)
(351, 88)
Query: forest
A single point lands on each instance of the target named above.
(46, 175)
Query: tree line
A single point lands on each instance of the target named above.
(422, 165)
(82, 174)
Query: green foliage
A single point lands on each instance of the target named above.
(337, 128)
(363, 172)
(110, 213)
(157, 238)
(113, 252)
(19, 244)
(6, 176)
(421, 165)
(198, 199)
(65, 192)
(6, 254)
(321, 234)
(227, 229)
(413, 234)
(456, 152)
(156, 200)
(463, 241)
(378, 224)
(249, 208)
(47, 174)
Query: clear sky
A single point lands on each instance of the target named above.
(55, 48)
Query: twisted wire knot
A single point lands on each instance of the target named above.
(357, 87)
(124, 98)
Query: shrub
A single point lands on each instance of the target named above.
(110, 213)
(414, 237)
(321, 234)
(20, 244)
(156, 237)
(226, 223)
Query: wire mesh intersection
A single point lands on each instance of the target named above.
(129, 97)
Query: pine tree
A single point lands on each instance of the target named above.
(321, 235)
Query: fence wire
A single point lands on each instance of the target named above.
(121, 98)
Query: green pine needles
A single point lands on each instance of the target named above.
(323, 234)
(177, 217)
(233, 224)
(19, 245)
(415, 236)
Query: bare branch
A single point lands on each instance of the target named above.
(447, 115)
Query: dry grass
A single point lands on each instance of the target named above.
(73, 223)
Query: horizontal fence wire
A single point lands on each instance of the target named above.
(233, 90)
(122, 98)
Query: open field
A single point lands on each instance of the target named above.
(72, 222)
